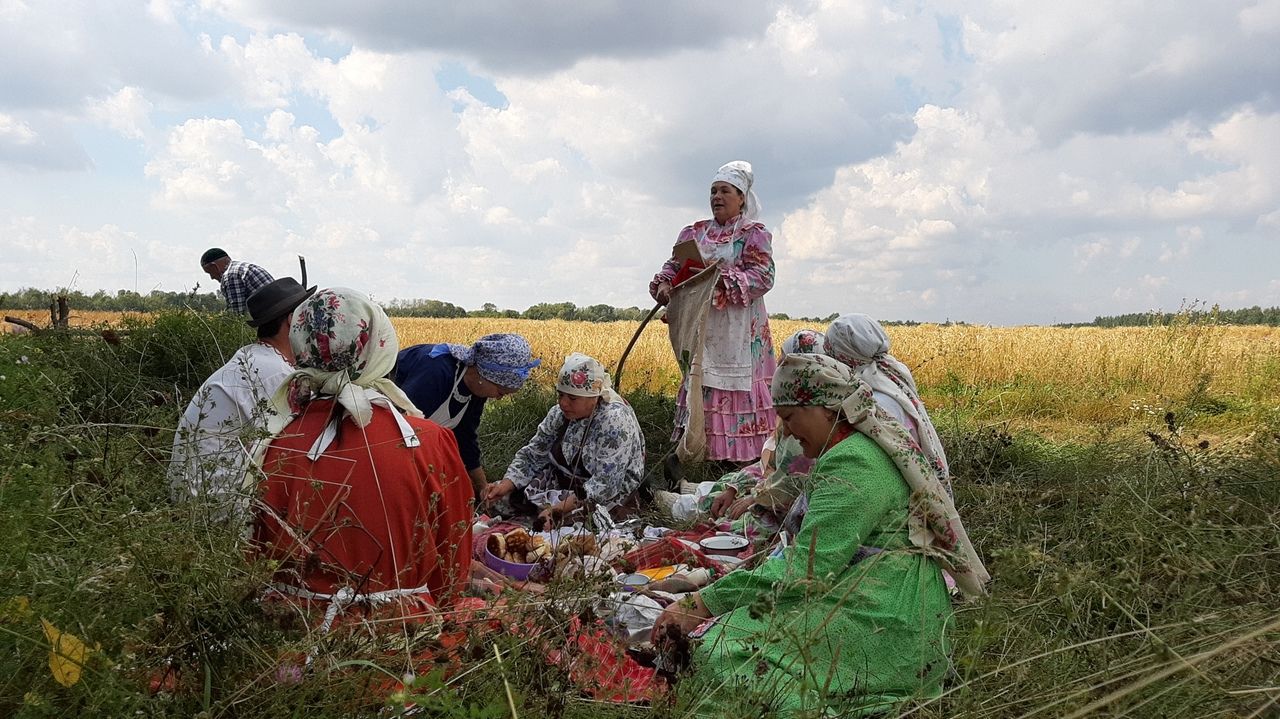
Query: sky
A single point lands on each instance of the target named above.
(989, 161)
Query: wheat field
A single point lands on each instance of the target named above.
(1047, 377)
(1169, 359)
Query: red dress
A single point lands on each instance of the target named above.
(371, 514)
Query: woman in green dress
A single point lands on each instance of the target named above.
(851, 618)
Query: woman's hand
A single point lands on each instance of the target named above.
(740, 507)
(686, 614)
(547, 520)
(723, 501)
(498, 490)
(554, 515)
(663, 293)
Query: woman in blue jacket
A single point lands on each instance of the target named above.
(449, 383)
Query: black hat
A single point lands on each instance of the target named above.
(213, 254)
(276, 298)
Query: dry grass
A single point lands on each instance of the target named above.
(79, 318)
(1052, 379)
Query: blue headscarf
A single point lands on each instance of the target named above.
(503, 359)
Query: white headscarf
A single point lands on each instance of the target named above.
(584, 376)
(860, 342)
(805, 341)
(738, 173)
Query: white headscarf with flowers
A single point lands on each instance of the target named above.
(584, 376)
(345, 347)
(861, 344)
(805, 341)
(739, 174)
(933, 524)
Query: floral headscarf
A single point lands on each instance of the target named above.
(503, 359)
(811, 380)
(933, 524)
(862, 344)
(584, 376)
(739, 174)
(805, 341)
(345, 346)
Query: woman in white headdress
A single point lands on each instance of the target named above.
(862, 345)
(588, 451)
(738, 360)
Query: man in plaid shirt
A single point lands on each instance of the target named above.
(238, 279)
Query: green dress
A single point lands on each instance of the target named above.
(824, 628)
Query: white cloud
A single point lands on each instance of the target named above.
(993, 162)
(1150, 282)
(1261, 18)
(39, 142)
(15, 131)
(1189, 239)
(1103, 67)
(162, 11)
(127, 111)
(517, 36)
(270, 68)
(209, 163)
(43, 254)
(56, 54)
(1003, 191)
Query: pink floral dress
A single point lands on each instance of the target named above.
(738, 361)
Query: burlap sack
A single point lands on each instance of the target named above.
(686, 323)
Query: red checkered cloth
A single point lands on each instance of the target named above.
(603, 670)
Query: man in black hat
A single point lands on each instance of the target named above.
(238, 279)
(230, 411)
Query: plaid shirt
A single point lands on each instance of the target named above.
(241, 280)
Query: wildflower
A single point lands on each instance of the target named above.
(289, 673)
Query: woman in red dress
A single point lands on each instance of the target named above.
(365, 504)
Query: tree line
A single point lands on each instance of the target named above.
(1247, 316)
(30, 298)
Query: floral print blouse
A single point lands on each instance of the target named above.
(737, 335)
(609, 443)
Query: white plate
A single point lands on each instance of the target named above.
(725, 543)
(729, 561)
(633, 580)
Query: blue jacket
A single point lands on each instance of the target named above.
(428, 382)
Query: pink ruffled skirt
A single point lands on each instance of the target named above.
(737, 422)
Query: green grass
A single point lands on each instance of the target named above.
(1134, 575)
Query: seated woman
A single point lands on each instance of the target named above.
(361, 505)
(451, 383)
(862, 345)
(853, 615)
(735, 493)
(588, 451)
